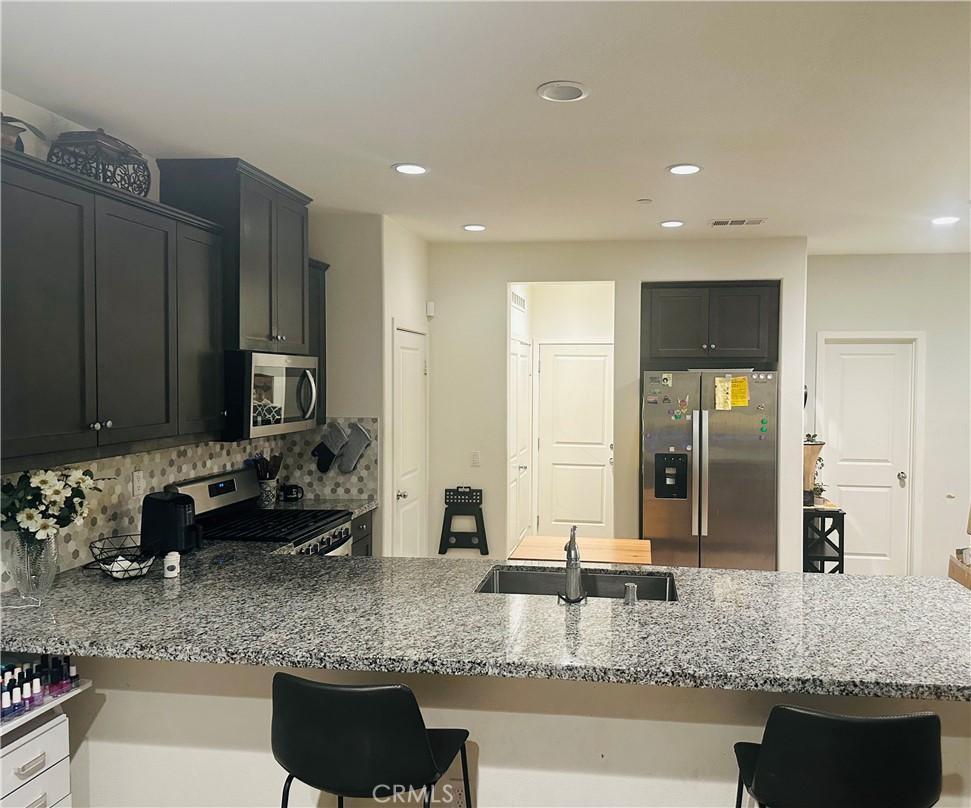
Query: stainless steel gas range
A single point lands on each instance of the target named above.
(226, 509)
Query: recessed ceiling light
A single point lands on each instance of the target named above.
(946, 220)
(684, 168)
(409, 168)
(562, 91)
(474, 228)
(672, 223)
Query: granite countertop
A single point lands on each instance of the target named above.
(784, 632)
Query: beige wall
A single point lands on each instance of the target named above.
(351, 244)
(405, 274)
(572, 312)
(928, 293)
(468, 390)
(180, 734)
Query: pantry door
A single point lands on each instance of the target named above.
(519, 442)
(410, 445)
(866, 395)
(576, 440)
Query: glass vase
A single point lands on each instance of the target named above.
(34, 567)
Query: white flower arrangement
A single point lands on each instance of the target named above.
(40, 503)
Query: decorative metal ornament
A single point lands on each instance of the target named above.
(104, 158)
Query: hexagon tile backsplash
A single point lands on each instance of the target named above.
(114, 511)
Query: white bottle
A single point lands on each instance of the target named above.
(171, 565)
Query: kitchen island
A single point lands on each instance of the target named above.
(634, 684)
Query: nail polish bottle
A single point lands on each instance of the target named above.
(54, 689)
(36, 692)
(73, 674)
(17, 704)
(6, 705)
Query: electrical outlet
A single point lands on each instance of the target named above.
(476, 459)
(138, 483)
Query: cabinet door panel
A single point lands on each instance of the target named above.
(136, 323)
(740, 320)
(48, 319)
(257, 304)
(679, 322)
(291, 274)
(200, 332)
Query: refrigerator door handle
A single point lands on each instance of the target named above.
(695, 468)
(704, 472)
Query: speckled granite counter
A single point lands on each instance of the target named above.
(786, 632)
(357, 507)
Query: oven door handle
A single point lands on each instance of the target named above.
(313, 394)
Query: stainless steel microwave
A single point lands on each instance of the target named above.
(269, 394)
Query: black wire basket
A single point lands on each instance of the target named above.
(120, 557)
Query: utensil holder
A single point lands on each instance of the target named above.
(268, 493)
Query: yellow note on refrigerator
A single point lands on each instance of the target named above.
(739, 391)
(723, 394)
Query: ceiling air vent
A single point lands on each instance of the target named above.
(735, 222)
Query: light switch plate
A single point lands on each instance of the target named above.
(476, 459)
(138, 483)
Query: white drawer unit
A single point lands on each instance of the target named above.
(47, 789)
(36, 761)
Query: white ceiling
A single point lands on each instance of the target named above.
(845, 122)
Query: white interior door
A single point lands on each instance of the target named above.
(864, 413)
(519, 443)
(576, 440)
(410, 525)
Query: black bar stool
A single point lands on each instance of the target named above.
(359, 740)
(818, 760)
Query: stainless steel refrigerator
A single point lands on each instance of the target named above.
(708, 474)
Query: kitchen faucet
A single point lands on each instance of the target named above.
(574, 586)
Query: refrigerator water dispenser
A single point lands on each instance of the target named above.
(671, 476)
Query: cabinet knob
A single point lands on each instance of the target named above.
(96, 426)
(283, 337)
(713, 346)
(108, 424)
(224, 413)
(704, 347)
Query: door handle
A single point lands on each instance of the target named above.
(523, 468)
(695, 468)
(40, 802)
(313, 395)
(902, 476)
(704, 472)
(401, 495)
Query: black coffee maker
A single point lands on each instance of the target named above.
(169, 523)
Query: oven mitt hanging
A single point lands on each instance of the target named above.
(330, 447)
(357, 443)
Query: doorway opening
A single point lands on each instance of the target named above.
(559, 409)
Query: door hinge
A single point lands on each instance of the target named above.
(537, 523)
(426, 368)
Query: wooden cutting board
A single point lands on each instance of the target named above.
(598, 551)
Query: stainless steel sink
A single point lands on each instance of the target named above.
(526, 581)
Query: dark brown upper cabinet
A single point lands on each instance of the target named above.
(264, 247)
(702, 325)
(93, 363)
(49, 376)
(135, 259)
(202, 406)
